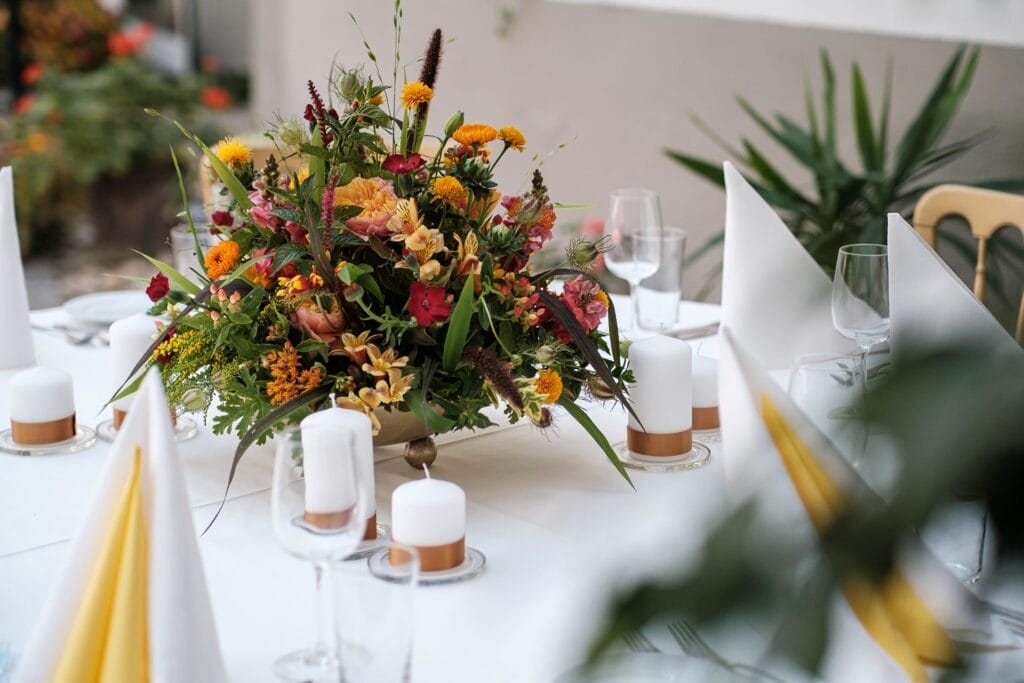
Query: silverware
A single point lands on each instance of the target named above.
(637, 642)
(77, 336)
(692, 644)
(1013, 618)
(695, 332)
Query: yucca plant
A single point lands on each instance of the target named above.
(842, 204)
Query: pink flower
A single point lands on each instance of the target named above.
(318, 324)
(586, 301)
(296, 233)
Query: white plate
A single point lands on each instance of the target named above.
(103, 308)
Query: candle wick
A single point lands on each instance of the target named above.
(426, 470)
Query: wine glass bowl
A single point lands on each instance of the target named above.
(634, 227)
(860, 298)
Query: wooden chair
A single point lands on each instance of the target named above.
(986, 212)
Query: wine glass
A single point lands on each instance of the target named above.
(860, 299)
(634, 226)
(319, 516)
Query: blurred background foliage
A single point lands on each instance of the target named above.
(955, 415)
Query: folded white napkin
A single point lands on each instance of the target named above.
(16, 349)
(793, 483)
(776, 300)
(929, 304)
(180, 635)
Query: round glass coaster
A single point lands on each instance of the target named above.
(84, 438)
(470, 568)
(707, 436)
(185, 428)
(698, 456)
(367, 548)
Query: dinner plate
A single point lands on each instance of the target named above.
(103, 308)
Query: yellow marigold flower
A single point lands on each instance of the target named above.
(221, 258)
(448, 189)
(470, 134)
(512, 137)
(602, 297)
(549, 385)
(232, 152)
(37, 141)
(415, 93)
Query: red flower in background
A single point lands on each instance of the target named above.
(31, 73)
(215, 97)
(400, 165)
(428, 304)
(23, 103)
(158, 287)
(129, 43)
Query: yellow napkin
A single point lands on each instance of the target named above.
(889, 610)
(108, 639)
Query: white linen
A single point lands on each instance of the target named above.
(182, 639)
(776, 300)
(16, 349)
(929, 305)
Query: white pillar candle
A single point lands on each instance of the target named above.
(661, 393)
(129, 338)
(328, 455)
(360, 426)
(661, 396)
(428, 512)
(705, 382)
(42, 406)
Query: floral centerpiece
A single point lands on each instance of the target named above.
(358, 264)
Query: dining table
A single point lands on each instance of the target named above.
(560, 528)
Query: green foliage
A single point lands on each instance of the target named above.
(846, 204)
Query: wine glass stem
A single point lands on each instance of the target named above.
(864, 351)
(634, 303)
(326, 629)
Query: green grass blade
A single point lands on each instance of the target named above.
(599, 438)
(458, 327)
(174, 276)
(862, 125)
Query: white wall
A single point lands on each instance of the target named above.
(994, 22)
(621, 84)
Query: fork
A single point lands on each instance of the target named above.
(692, 644)
(637, 642)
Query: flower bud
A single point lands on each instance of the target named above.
(350, 86)
(193, 400)
(456, 120)
(583, 253)
(291, 133)
(599, 389)
(546, 355)
(624, 347)
(214, 316)
(235, 297)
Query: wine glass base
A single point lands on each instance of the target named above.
(314, 665)
(185, 428)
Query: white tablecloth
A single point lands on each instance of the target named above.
(556, 522)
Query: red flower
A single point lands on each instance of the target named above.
(23, 103)
(158, 287)
(215, 97)
(428, 304)
(222, 218)
(31, 73)
(400, 165)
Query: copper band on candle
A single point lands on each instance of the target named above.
(433, 558)
(659, 445)
(328, 520)
(706, 418)
(371, 528)
(36, 433)
(120, 415)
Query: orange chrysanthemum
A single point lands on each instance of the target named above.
(415, 93)
(512, 137)
(470, 134)
(448, 189)
(221, 259)
(549, 385)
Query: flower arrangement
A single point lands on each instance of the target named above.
(381, 265)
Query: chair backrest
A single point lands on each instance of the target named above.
(986, 212)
